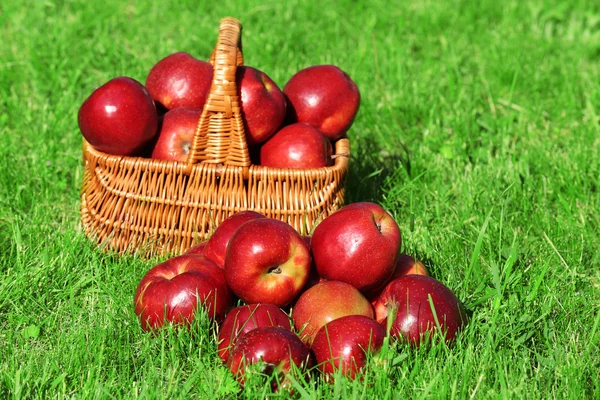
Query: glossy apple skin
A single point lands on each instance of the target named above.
(296, 146)
(358, 244)
(180, 80)
(325, 97)
(408, 296)
(119, 117)
(344, 344)
(405, 265)
(243, 319)
(262, 102)
(216, 247)
(176, 134)
(197, 249)
(170, 292)
(266, 262)
(275, 346)
(325, 302)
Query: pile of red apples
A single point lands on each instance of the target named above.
(326, 302)
(293, 128)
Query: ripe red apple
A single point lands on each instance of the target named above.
(197, 249)
(170, 292)
(358, 244)
(411, 300)
(266, 262)
(176, 134)
(180, 80)
(345, 343)
(313, 275)
(296, 146)
(324, 302)
(243, 319)
(276, 347)
(119, 117)
(405, 265)
(216, 247)
(325, 97)
(263, 104)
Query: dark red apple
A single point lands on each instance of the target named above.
(296, 146)
(263, 104)
(405, 265)
(216, 247)
(243, 319)
(358, 244)
(411, 300)
(345, 344)
(119, 117)
(170, 292)
(277, 348)
(197, 248)
(180, 80)
(176, 134)
(325, 97)
(324, 302)
(266, 262)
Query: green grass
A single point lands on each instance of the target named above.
(479, 130)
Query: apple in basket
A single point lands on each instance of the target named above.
(180, 80)
(324, 302)
(323, 96)
(267, 261)
(119, 117)
(357, 244)
(345, 344)
(296, 146)
(171, 291)
(273, 351)
(262, 103)
(176, 134)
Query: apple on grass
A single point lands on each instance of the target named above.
(216, 247)
(345, 344)
(176, 134)
(197, 249)
(171, 291)
(420, 307)
(358, 244)
(262, 103)
(277, 351)
(405, 265)
(325, 97)
(180, 80)
(119, 117)
(296, 146)
(266, 262)
(243, 319)
(324, 302)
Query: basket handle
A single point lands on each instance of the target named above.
(220, 137)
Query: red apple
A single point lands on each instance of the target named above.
(119, 117)
(411, 300)
(170, 292)
(313, 275)
(405, 265)
(345, 343)
(277, 348)
(266, 262)
(245, 318)
(197, 249)
(263, 104)
(324, 302)
(296, 146)
(357, 244)
(176, 134)
(180, 80)
(325, 97)
(216, 247)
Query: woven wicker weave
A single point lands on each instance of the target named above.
(157, 207)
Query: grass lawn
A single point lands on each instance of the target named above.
(479, 130)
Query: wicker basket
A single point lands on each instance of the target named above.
(154, 207)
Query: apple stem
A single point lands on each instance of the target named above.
(275, 270)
